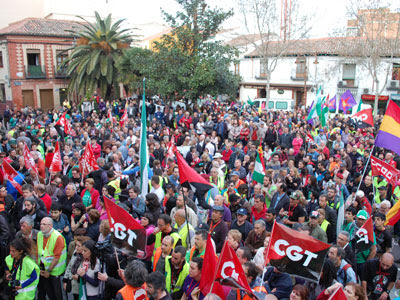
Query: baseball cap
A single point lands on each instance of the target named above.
(382, 187)
(203, 226)
(362, 214)
(294, 195)
(217, 155)
(235, 173)
(314, 214)
(337, 156)
(242, 211)
(218, 208)
(339, 175)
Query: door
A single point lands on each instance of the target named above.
(27, 98)
(46, 100)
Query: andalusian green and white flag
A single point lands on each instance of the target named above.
(259, 169)
(144, 151)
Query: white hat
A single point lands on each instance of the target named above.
(217, 155)
(360, 194)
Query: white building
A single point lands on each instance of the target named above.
(317, 62)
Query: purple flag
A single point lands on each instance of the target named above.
(347, 101)
(332, 104)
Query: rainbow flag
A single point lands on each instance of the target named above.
(388, 135)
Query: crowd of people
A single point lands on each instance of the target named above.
(55, 234)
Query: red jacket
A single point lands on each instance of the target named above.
(96, 150)
(94, 194)
(226, 155)
(47, 201)
(255, 215)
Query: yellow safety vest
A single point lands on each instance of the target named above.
(184, 233)
(46, 255)
(324, 225)
(28, 266)
(181, 278)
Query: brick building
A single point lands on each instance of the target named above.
(31, 51)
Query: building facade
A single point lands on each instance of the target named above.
(32, 51)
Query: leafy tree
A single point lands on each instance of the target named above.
(188, 62)
(92, 63)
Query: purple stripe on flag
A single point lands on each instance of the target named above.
(388, 141)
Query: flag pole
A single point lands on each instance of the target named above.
(365, 169)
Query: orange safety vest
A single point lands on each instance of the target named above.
(259, 289)
(156, 257)
(192, 252)
(131, 293)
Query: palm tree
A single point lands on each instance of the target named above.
(93, 60)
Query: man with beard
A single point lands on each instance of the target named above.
(31, 209)
(176, 270)
(379, 276)
(155, 287)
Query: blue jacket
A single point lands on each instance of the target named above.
(279, 281)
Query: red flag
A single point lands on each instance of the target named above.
(10, 174)
(338, 295)
(379, 167)
(28, 159)
(87, 162)
(230, 271)
(296, 253)
(56, 162)
(309, 138)
(126, 229)
(363, 118)
(189, 178)
(171, 148)
(364, 237)
(124, 118)
(64, 122)
(209, 268)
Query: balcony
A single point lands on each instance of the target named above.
(35, 72)
(298, 76)
(61, 72)
(348, 83)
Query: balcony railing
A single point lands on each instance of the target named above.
(61, 72)
(35, 72)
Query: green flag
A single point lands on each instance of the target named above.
(359, 105)
(144, 152)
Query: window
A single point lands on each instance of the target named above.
(270, 104)
(263, 68)
(61, 57)
(349, 74)
(1, 59)
(281, 105)
(33, 57)
(396, 72)
(237, 68)
(301, 68)
(2, 92)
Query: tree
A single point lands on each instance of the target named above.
(92, 63)
(377, 30)
(270, 34)
(188, 62)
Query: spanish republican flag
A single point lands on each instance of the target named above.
(388, 135)
(393, 214)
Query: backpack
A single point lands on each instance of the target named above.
(346, 266)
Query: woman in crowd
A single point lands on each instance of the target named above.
(299, 292)
(70, 279)
(147, 221)
(88, 270)
(79, 216)
(22, 270)
(89, 194)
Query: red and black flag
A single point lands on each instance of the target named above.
(63, 126)
(296, 253)
(128, 234)
(364, 237)
(363, 118)
(190, 179)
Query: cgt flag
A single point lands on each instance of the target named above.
(296, 253)
(209, 268)
(230, 271)
(87, 162)
(55, 165)
(363, 118)
(128, 233)
(364, 237)
(28, 159)
(379, 167)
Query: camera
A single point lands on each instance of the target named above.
(102, 249)
(14, 283)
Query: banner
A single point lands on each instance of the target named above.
(87, 162)
(363, 119)
(296, 253)
(364, 237)
(28, 159)
(127, 232)
(230, 271)
(379, 167)
(55, 165)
